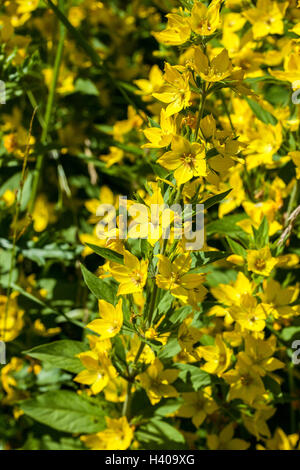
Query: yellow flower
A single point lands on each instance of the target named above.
(225, 440)
(43, 213)
(9, 197)
(266, 18)
(261, 261)
(153, 85)
(188, 335)
(115, 390)
(245, 383)
(156, 382)
(291, 66)
(250, 315)
(117, 436)
(162, 136)
(132, 275)
(217, 357)
(98, 370)
(121, 128)
(256, 424)
(187, 159)
(7, 380)
(256, 212)
(280, 298)
(76, 15)
(111, 320)
(115, 155)
(25, 6)
(11, 318)
(41, 329)
(280, 441)
(204, 21)
(65, 80)
(176, 92)
(264, 142)
(197, 405)
(177, 32)
(215, 70)
(230, 294)
(258, 355)
(175, 278)
(147, 356)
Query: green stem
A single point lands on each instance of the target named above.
(227, 112)
(15, 226)
(201, 110)
(49, 107)
(128, 398)
(152, 304)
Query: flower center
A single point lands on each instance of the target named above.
(246, 380)
(260, 264)
(188, 159)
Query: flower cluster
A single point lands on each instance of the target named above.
(166, 346)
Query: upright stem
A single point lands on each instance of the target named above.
(127, 402)
(15, 225)
(48, 113)
(175, 197)
(201, 110)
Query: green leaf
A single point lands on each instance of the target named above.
(65, 411)
(46, 442)
(180, 314)
(152, 122)
(217, 277)
(60, 354)
(236, 248)
(199, 378)
(227, 226)
(262, 114)
(106, 253)
(215, 199)
(101, 288)
(165, 303)
(86, 87)
(159, 434)
(203, 258)
(288, 333)
(170, 349)
(261, 235)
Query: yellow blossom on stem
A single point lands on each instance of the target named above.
(117, 435)
(261, 261)
(156, 382)
(215, 70)
(245, 383)
(174, 276)
(187, 159)
(217, 357)
(197, 405)
(177, 32)
(132, 275)
(162, 136)
(226, 441)
(205, 20)
(176, 93)
(266, 18)
(111, 320)
(98, 370)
